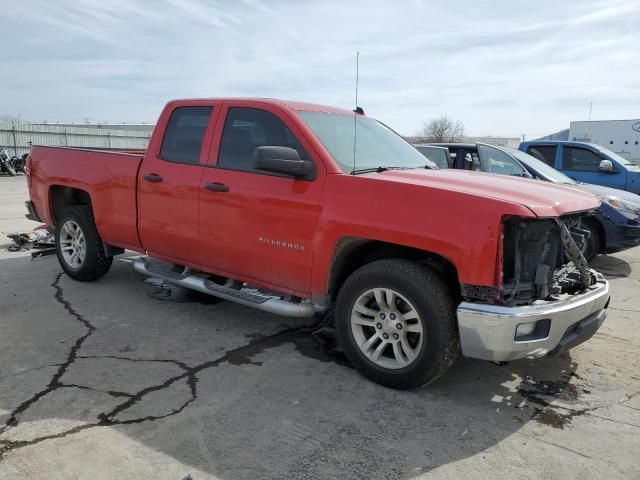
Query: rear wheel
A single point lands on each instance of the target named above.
(79, 248)
(395, 321)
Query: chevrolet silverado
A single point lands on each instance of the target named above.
(293, 208)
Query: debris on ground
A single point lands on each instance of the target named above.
(39, 238)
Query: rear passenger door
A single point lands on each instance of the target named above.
(169, 184)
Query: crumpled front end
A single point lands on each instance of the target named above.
(543, 259)
(547, 299)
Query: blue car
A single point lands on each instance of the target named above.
(616, 224)
(587, 162)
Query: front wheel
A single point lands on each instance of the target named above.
(10, 170)
(593, 245)
(79, 248)
(395, 321)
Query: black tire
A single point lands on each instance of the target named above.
(594, 243)
(95, 264)
(431, 299)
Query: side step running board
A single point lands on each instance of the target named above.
(250, 298)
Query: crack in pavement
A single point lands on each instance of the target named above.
(113, 393)
(238, 356)
(12, 421)
(29, 370)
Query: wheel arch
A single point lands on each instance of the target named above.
(61, 197)
(599, 228)
(352, 253)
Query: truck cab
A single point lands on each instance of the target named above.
(587, 163)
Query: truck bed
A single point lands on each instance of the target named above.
(109, 177)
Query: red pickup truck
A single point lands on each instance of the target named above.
(293, 208)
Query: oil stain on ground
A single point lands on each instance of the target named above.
(543, 392)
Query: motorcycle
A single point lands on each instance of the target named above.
(19, 163)
(6, 165)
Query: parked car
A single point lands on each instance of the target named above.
(588, 163)
(614, 226)
(269, 204)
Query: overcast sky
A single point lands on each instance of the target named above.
(501, 67)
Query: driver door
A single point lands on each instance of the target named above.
(257, 225)
(583, 165)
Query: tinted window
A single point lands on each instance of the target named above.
(499, 162)
(544, 153)
(183, 136)
(248, 128)
(580, 159)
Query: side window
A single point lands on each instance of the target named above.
(580, 159)
(184, 134)
(248, 128)
(544, 153)
(497, 161)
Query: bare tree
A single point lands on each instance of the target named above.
(441, 130)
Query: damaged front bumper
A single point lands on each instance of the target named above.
(545, 327)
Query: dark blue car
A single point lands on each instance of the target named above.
(616, 224)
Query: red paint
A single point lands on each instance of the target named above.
(281, 233)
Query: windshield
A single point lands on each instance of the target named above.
(376, 144)
(542, 168)
(621, 160)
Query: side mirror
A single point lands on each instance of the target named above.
(282, 160)
(606, 166)
(526, 174)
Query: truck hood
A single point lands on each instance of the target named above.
(544, 199)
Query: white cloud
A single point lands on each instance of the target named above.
(503, 68)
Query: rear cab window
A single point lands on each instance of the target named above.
(184, 134)
(544, 153)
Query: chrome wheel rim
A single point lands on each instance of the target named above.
(387, 328)
(72, 244)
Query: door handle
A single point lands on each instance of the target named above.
(216, 187)
(152, 177)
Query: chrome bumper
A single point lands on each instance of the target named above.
(488, 332)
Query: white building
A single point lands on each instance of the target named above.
(620, 136)
(512, 142)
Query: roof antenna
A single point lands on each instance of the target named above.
(357, 111)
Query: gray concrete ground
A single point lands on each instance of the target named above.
(122, 379)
